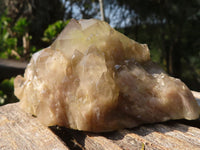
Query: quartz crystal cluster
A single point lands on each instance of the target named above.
(94, 78)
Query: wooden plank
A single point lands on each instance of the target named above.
(133, 141)
(100, 142)
(13, 63)
(21, 131)
(163, 139)
(179, 134)
(10, 68)
(161, 136)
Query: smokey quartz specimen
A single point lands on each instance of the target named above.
(94, 78)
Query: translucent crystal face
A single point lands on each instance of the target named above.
(93, 78)
(84, 34)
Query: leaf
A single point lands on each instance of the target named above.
(53, 30)
(21, 26)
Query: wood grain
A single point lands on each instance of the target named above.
(161, 136)
(19, 130)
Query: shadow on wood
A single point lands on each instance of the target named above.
(168, 135)
(19, 130)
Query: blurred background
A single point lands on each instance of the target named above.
(170, 28)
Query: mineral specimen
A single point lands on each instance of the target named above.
(94, 78)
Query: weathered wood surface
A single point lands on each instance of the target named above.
(19, 130)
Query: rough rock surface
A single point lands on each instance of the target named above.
(93, 78)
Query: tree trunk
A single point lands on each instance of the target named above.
(102, 10)
(26, 44)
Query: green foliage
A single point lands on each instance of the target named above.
(7, 42)
(11, 37)
(44, 13)
(3, 98)
(20, 26)
(53, 30)
(33, 49)
(7, 91)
